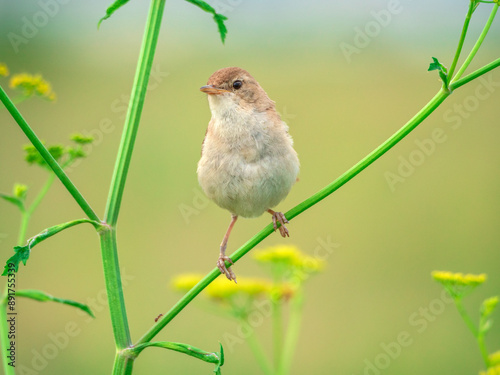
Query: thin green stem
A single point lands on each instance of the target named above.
(134, 111)
(479, 336)
(479, 41)
(277, 321)
(258, 352)
(462, 39)
(468, 321)
(23, 227)
(114, 288)
(47, 156)
(41, 194)
(293, 330)
(476, 74)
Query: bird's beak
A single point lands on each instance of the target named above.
(212, 90)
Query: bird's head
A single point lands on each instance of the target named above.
(235, 86)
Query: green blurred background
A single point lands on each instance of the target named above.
(445, 215)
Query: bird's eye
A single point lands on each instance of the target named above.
(237, 84)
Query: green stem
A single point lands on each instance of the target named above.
(41, 194)
(277, 321)
(479, 41)
(485, 69)
(477, 334)
(293, 330)
(114, 288)
(134, 111)
(468, 321)
(462, 39)
(123, 364)
(258, 352)
(47, 156)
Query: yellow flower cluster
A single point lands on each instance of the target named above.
(495, 370)
(4, 71)
(291, 256)
(221, 288)
(495, 358)
(32, 84)
(458, 279)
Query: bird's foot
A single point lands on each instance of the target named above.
(280, 217)
(221, 265)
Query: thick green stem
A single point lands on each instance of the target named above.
(134, 111)
(123, 364)
(47, 156)
(479, 41)
(114, 288)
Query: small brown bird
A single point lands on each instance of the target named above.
(248, 164)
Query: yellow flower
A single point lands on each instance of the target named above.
(185, 282)
(282, 253)
(459, 279)
(495, 370)
(291, 256)
(4, 71)
(32, 85)
(495, 358)
(222, 288)
(458, 284)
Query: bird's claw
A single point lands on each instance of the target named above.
(221, 265)
(280, 217)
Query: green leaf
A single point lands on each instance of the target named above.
(22, 253)
(443, 72)
(82, 139)
(38, 295)
(112, 8)
(216, 358)
(218, 18)
(14, 200)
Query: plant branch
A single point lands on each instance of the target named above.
(479, 41)
(63, 177)
(476, 74)
(134, 111)
(462, 39)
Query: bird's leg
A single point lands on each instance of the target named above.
(221, 262)
(280, 217)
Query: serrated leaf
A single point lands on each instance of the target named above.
(38, 295)
(14, 200)
(218, 18)
(22, 253)
(216, 358)
(111, 9)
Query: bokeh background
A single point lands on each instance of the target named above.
(444, 215)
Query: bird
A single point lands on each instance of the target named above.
(248, 164)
